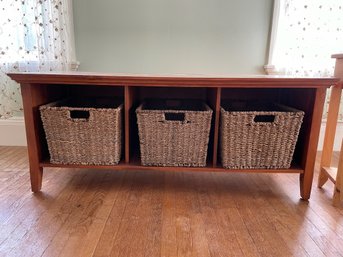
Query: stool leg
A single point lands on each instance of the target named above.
(338, 194)
(330, 132)
(323, 177)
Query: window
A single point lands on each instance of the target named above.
(305, 34)
(34, 36)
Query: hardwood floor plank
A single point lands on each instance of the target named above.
(198, 227)
(266, 239)
(142, 217)
(65, 215)
(296, 220)
(168, 237)
(282, 222)
(32, 204)
(8, 155)
(327, 241)
(150, 218)
(227, 194)
(86, 222)
(87, 213)
(114, 220)
(32, 239)
(126, 235)
(90, 243)
(10, 177)
(221, 240)
(183, 215)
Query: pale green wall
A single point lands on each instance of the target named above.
(173, 36)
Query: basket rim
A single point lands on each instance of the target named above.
(284, 110)
(141, 110)
(52, 106)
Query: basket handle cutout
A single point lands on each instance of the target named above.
(264, 118)
(79, 114)
(174, 116)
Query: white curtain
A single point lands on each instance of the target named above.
(305, 34)
(35, 35)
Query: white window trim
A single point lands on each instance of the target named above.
(270, 68)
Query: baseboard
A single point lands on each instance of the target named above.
(12, 132)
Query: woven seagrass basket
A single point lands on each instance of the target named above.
(174, 132)
(83, 132)
(258, 135)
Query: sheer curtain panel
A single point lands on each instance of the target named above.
(305, 34)
(34, 36)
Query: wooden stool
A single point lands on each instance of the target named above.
(326, 171)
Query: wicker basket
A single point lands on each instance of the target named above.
(257, 136)
(83, 132)
(174, 132)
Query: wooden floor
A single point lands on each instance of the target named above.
(116, 213)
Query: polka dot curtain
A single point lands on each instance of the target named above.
(305, 34)
(35, 35)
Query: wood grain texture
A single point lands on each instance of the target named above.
(214, 99)
(128, 101)
(145, 213)
(330, 132)
(326, 171)
(306, 178)
(261, 81)
(135, 165)
(338, 193)
(305, 93)
(331, 172)
(32, 98)
(331, 124)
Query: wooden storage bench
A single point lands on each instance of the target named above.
(306, 94)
